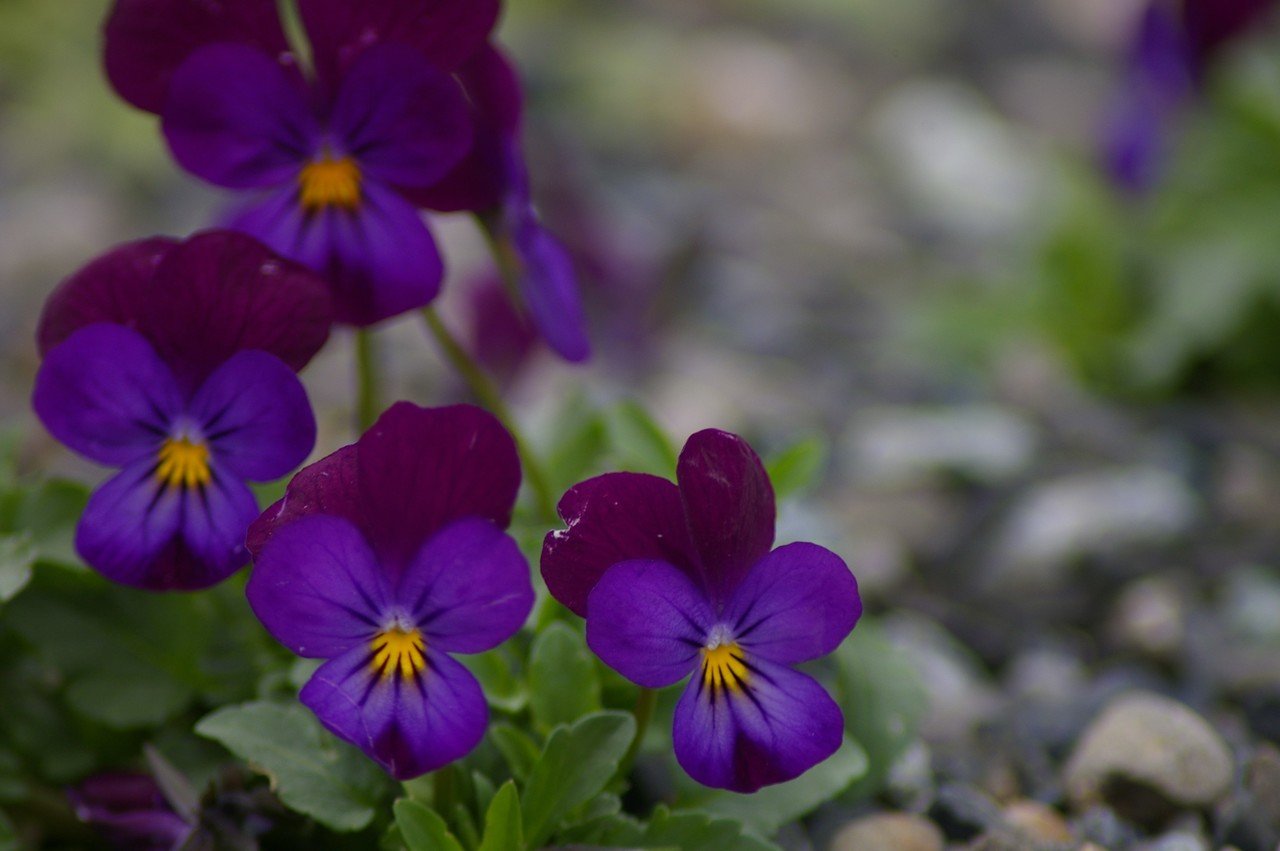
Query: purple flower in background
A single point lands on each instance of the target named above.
(175, 362)
(502, 339)
(680, 579)
(494, 178)
(329, 157)
(387, 557)
(130, 810)
(1167, 57)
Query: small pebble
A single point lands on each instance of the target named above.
(963, 812)
(1146, 750)
(888, 832)
(1038, 821)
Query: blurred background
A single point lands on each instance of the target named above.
(1034, 405)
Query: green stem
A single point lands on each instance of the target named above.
(504, 256)
(646, 702)
(368, 381)
(487, 394)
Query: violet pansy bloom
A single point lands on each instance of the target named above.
(175, 362)
(328, 157)
(130, 810)
(386, 558)
(679, 579)
(494, 179)
(1167, 57)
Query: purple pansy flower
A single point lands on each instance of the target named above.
(130, 810)
(1167, 56)
(675, 579)
(332, 155)
(494, 179)
(384, 559)
(175, 362)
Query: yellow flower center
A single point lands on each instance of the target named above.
(327, 182)
(396, 650)
(183, 463)
(724, 667)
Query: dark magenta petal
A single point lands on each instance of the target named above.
(254, 413)
(550, 289)
(728, 501)
(420, 469)
(1211, 24)
(129, 810)
(214, 522)
(236, 119)
(112, 288)
(468, 589)
(128, 524)
(144, 41)
(405, 122)
(481, 180)
(781, 724)
(798, 603)
(648, 621)
(317, 588)
(446, 32)
(408, 726)
(106, 394)
(612, 518)
(329, 486)
(221, 292)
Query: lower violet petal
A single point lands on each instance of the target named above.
(468, 587)
(797, 603)
(408, 724)
(770, 726)
(384, 261)
(317, 587)
(215, 519)
(254, 413)
(550, 289)
(648, 621)
(105, 393)
(127, 524)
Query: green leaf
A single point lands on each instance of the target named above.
(312, 772)
(773, 806)
(687, 830)
(50, 511)
(496, 672)
(519, 750)
(17, 555)
(640, 443)
(563, 685)
(798, 467)
(130, 659)
(580, 450)
(883, 699)
(503, 830)
(575, 766)
(422, 829)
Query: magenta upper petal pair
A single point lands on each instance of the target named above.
(680, 579)
(175, 363)
(384, 559)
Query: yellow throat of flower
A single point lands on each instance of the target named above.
(327, 182)
(724, 667)
(183, 463)
(399, 651)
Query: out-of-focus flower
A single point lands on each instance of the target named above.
(503, 340)
(130, 811)
(675, 579)
(494, 179)
(175, 362)
(387, 557)
(1168, 54)
(328, 156)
